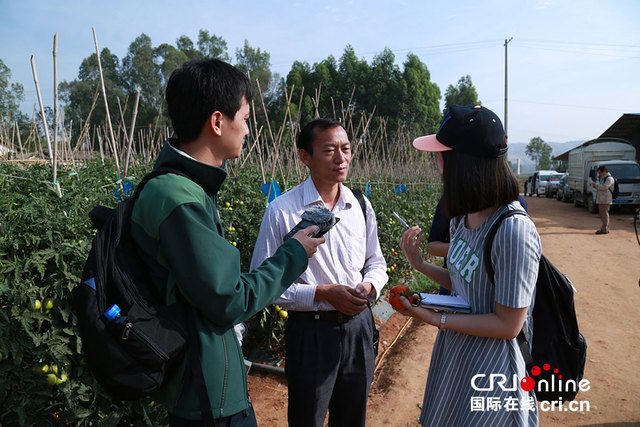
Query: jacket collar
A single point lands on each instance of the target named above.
(210, 178)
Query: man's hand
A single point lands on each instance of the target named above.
(363, 289)
(593, 184)
(310, 244)
(345, 299)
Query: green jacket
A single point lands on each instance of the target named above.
(175, 222)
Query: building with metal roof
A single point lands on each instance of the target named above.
(627, 128)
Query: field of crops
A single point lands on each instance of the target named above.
(44, 240)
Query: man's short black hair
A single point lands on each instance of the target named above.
(307, 134)
(198, 89)
(603, 169)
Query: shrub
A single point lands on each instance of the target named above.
(44, 241)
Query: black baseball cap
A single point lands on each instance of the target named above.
(474, 130)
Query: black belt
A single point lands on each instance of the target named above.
(328, 316)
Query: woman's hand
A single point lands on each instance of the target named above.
(425, 314)
(410, 245)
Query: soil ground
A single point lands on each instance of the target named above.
(606, 271)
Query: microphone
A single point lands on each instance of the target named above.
(315, 215)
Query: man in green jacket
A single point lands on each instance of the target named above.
(176, 224)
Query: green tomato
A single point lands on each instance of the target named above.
(47, 304)
(40, 369)
(52, 380)
(36, 305)
(54, 369)
(63, 378)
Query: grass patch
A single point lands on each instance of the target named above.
(422, 283)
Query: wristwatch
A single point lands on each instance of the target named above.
(443, 320)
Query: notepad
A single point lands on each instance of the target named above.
(445, 303)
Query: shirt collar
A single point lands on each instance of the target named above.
(310, 196)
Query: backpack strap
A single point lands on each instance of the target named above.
(488, 240)
(161, 171)
(523, 337)
(363, 206)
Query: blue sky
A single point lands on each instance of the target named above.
(573, 65)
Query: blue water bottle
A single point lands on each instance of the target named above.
(113, 314)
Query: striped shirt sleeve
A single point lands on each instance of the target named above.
(516, 255)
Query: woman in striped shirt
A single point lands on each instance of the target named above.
(476, 366)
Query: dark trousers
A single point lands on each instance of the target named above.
(246, 418)
(329, 366)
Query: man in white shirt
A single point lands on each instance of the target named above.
(328, 336)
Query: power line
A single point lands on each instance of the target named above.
(579, 43)
(567, 105)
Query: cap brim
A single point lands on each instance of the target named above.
(430, 143)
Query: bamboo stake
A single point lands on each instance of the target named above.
(106, 103)
(84, 132)
(97, 134)
(55, 102)
(46, 128)
(131, 129)
(19, 141)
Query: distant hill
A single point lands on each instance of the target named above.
(517, 151)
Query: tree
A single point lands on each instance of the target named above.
(257, 64)
(11, 94)
(212, 46)
(139, 69)
(540, 152)
(385, 77)
(462, 94)
(170, 58)
(78, 94)
(353, 78)
(185, 45)
(421, 98)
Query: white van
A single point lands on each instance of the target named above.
(541, 180)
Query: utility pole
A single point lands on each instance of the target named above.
(506, 42)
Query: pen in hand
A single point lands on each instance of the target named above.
(402, 221)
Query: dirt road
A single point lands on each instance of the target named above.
(605, 270)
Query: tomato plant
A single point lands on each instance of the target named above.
(44, 241)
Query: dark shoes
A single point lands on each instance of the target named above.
(602, 232)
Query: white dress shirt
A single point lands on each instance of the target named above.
(350, 255)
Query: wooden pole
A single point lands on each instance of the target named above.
(19, 141)
(106, 104)
(46, 128)
(131, 128)
(55, 104)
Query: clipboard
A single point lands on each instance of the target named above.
(446, 303)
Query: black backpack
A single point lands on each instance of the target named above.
(130, 357)
(557, 343)
(616, 190)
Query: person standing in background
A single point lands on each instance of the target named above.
(604, 197)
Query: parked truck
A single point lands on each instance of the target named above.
(618, 155)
